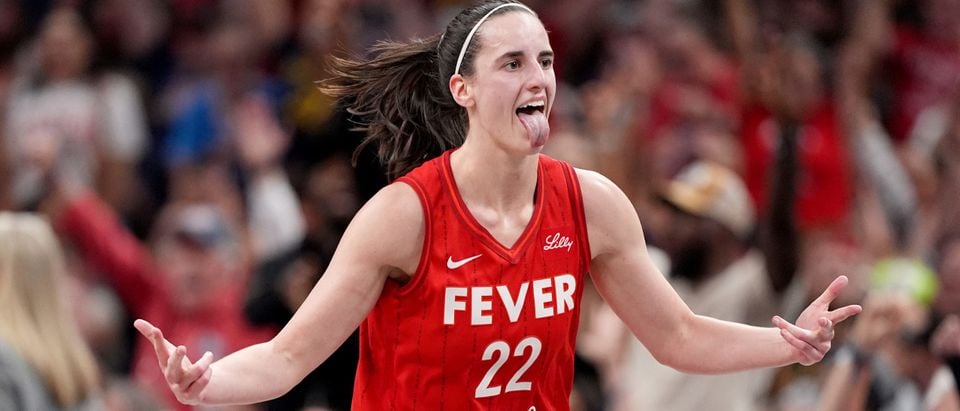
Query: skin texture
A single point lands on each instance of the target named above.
(495, 171)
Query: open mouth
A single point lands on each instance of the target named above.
(533, 116)
(531, 108)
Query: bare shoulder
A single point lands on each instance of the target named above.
(389, 228)
(396, 201)
(612, 220)
(596, 186)
(602, 199)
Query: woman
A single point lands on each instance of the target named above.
(466, 273)
(44, 363)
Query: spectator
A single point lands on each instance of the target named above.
(716, 271)
(91, 126)
(44, 362)
(887, 363)
(924, 57)
(787, 76)
(199, 289)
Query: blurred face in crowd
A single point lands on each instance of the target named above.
(196, 273)
(199, 259)
(232, 56)
(331, 192)
(909, 352)
(65, 45)
(686, 239)
(319, 22)
(130, 27)
(513, 69)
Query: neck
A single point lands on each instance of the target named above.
(492, 177)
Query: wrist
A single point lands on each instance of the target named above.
(791, 354)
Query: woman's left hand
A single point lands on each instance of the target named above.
(813, 333)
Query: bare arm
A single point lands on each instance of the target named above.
(645, 301)
(872, 27)
(367, 256)
(877, 167)
(779, 239)
(870, 37)
(741, 23)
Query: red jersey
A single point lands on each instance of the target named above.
(480, 326)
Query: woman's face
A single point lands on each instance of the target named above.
(511, 91)
(65, 45)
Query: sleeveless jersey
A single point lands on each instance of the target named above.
(480, 326)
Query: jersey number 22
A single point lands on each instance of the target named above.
(502, 350)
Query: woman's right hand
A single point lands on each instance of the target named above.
(187, 380)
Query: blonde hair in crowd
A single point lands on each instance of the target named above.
(34, 318)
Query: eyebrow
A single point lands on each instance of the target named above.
(515, 54)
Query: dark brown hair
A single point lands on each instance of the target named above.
(400, 96)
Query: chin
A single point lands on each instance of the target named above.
(538, 145)
(535, 147)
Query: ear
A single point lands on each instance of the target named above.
(461, 91)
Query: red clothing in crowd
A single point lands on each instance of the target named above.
(926, 72)
(112, 250)
(824, 192)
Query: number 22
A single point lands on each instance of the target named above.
(484, 389)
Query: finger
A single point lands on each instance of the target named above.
(825, 333)
(794, 341)
(160, 345)
(144, 327)
(842, 313)
(809, 353)
(174, 371)
(832, 291)
(197, 369)
(807, 336)
(785, 325)
(193, 391)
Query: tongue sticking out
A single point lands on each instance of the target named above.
(537, 127)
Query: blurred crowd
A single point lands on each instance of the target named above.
(195, 176)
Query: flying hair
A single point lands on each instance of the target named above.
(400, 96)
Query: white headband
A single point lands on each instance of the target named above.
(466, 42)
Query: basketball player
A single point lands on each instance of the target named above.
(465, 275)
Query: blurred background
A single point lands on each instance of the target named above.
(197, 177)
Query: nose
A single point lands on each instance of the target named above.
(536, 77)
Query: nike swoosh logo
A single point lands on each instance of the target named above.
(453, 265)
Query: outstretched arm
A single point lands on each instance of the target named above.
(645, 301)
(367, 256)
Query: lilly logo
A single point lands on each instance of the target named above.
(556, 241)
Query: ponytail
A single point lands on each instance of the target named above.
(401, 102)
